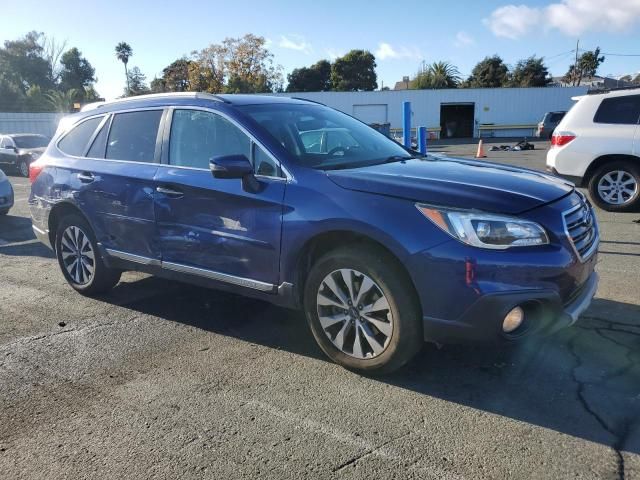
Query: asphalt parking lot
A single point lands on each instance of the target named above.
(164, 380)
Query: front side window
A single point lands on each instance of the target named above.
(133, 136)
(77, 140)
(619, 110)
(197, 136)
(320, 137)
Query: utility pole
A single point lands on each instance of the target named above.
(575, 65)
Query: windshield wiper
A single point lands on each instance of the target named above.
(396, 158)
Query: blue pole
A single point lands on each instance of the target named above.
(406, 124)
(422, 140)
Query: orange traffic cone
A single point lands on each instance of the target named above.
(480, 153)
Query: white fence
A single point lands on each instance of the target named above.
(42, 123)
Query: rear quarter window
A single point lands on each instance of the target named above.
(77, 140)
(619, 110)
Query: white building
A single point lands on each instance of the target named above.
(460, 112)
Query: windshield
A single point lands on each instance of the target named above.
(31, 141)
(322, 138)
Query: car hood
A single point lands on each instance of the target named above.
(38, 150)
(457, 183)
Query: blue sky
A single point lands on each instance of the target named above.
(401, 34)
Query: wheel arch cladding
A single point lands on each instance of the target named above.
(604, 159)
(325, 242)
(58, 212)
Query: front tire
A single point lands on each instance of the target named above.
(362, 310)
(79, 258)
(23, 168)
(615, 187)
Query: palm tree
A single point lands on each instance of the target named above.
(436, 75)
(61, 101)
(123, 52)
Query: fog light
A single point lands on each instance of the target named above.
(513, 320)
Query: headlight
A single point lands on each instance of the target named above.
(486, 230)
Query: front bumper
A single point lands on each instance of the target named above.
(6, 196)
(545, 313)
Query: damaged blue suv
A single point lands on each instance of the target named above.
(298, 204)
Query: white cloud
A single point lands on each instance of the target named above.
(333, 53)
(512, 21)
(463, 39)
(386, 51)
(295, 42)
(570, 17)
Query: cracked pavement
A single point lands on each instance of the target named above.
(163, 380)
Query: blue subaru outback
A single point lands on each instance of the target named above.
(298, 204)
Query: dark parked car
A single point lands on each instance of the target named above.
(18, 150)
(548, 124)
(6, 194)
(380, 248)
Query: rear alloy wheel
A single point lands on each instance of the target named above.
(616, 187)
(79, 258)
(362, 310)
(23, 168)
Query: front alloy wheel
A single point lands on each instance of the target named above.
(23, 167)
(354, 313)
(363, 310)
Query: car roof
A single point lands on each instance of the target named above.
(191, 98)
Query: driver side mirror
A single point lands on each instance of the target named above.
(235, 166)
(230, 166)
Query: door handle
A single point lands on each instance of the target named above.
(86, 177)
(169, 192)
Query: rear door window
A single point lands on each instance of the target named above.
(620, 110)
(76, 141)
(133, 136)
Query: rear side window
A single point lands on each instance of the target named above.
(77, 140)
(133, 136)
(556, 117)
(620, 110)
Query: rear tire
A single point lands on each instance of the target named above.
(374, 331)
(4, 211)
(615, 186)
(79, 258)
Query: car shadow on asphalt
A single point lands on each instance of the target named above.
(582, 382)
(17, 238)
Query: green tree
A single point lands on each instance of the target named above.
(76, 73)
(491, 72)
(23, 65)
(137, 83)
(123, 53)
(587, 66)
(316, 78)
(637, 79)
(530, 72)
(356, 71)
(436, 75)
(237, 65)
(175, 77)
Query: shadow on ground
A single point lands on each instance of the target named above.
(582, 382)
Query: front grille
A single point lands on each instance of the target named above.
(580, 226)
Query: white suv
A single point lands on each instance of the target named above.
(597, 145)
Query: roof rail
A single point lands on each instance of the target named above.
(307, 100)
(612, 89)
(202, 95)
